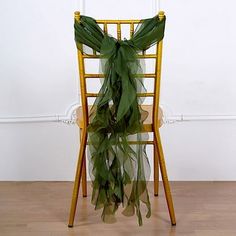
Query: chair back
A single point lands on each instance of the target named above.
(156, 75)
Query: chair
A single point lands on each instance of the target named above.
(152, 123)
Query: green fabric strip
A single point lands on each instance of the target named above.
(118, 170)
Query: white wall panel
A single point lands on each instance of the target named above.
(38, 82)
(37, 57)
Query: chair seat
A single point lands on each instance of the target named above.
(147, 125)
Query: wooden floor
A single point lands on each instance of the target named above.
(42, 209)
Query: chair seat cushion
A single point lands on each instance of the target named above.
(147, 125)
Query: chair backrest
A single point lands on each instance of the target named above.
(157, 56)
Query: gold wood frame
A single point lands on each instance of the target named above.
(158, 150)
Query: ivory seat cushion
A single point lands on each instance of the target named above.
(147, 124)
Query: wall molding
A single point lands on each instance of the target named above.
(69, 117)
(187, 118)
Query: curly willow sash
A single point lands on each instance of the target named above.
(118, 169)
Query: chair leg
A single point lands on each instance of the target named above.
(165, 177)
(77, 177)
(84, 175)
(156, 169)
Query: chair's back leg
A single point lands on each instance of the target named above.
(156, 169)
(84, 175)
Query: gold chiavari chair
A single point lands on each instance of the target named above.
(151, 124)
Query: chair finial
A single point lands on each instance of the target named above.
(77, 15)
(161, 14)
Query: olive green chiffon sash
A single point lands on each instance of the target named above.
(119, 170)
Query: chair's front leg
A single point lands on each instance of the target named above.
(165, 177)
(78, 177)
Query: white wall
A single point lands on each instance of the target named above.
(199, 68)
(38, 151)
(38, 82)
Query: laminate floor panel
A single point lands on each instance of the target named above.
(42, 209)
